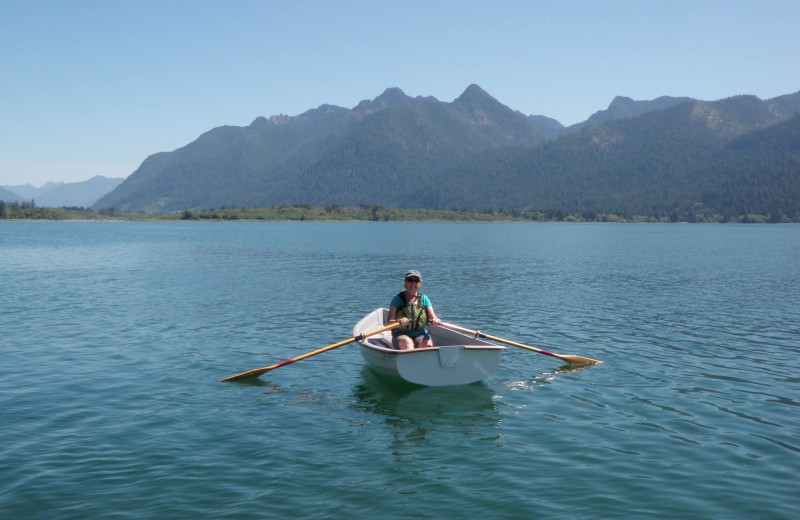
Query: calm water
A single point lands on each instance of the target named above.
(114, 335)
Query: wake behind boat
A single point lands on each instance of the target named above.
(456, 358)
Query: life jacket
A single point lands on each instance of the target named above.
(414, 311)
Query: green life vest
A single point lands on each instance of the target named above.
(417, 314)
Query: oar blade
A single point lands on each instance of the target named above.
(259, 371)
(249, 374)
(572, 360)
(578, 360)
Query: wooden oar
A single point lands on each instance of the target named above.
(258, 371)
(572, 360)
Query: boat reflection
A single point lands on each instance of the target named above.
(395, 398)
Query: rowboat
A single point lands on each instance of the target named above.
(456, 358)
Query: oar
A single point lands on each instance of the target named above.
(572, 360)
(258, 371)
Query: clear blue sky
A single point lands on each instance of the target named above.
(94, 87)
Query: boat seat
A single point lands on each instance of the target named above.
(381, 342)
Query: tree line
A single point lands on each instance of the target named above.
(373, 212)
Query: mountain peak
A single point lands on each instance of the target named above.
(475, 94)
(478, 107)
(261, 122)
(621, 102)
(393, 96)
(278, 119)
(623, 107)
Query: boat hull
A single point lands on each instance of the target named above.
(456, 359)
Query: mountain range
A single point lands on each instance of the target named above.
(62, 194)
(9, 196)
(670, 155)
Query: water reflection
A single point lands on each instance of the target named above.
(419, 418)
(397, 399)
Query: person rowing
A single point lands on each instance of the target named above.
(414, 312)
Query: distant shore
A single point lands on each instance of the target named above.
(369, 213)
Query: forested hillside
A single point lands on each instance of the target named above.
(682, 160)
(671, 156)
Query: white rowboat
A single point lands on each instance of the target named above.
(456, 358)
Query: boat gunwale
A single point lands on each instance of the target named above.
(429, 349)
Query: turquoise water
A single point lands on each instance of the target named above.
(114, 335)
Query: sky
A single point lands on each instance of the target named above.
(94, 87)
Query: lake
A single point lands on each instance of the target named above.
(114, 336)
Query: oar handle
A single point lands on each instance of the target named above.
(573, 360)
(458, 328)
(259, 371)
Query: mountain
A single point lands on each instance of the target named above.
(29, 191)
(625, 108)
(374, 152)
(620, 108)
(500, 124)
(731, 157)
(72, 194)
(9, 196)
(80, 194)
(668, 156)
(757, 173)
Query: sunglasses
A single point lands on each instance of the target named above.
(413, 280)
